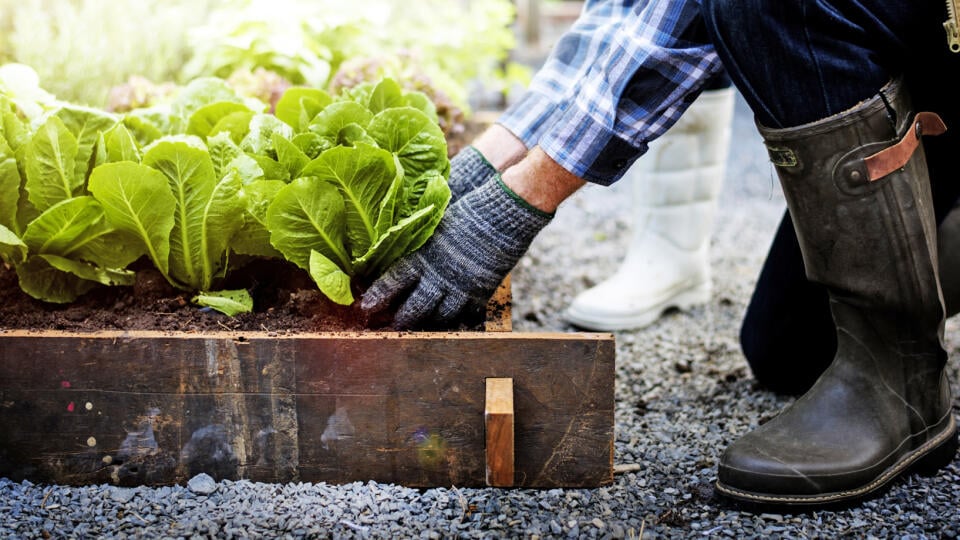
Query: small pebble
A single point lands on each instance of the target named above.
(202, 484)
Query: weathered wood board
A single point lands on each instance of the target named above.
(152, 408)
(498, 419)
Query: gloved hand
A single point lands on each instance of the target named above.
(468, 170)
(479, 240)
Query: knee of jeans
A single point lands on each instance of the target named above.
(780, 374)
(768, 360)
(780, 364)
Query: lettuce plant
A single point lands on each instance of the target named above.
(52, 231)
(369, 182)
(81, 199)
(341, 186)
(175, 207)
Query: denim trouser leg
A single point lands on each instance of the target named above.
(803, 60)
(787, 335)
(802, 76)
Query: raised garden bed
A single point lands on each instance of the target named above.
(279, 218)
(152, 407)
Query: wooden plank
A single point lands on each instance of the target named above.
(498, 421)
(151, 408)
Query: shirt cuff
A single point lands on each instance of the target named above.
(588, 149)
(528, 117)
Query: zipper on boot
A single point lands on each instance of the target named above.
(952, 25)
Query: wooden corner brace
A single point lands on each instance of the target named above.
(498, 420)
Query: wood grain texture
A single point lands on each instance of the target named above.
(149, 408)
(499, 421)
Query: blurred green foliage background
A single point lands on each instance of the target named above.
(119, 53)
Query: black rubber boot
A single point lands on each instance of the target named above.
(858, 192)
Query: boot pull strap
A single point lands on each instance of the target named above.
(895, 157)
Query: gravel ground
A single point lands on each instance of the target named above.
(683, 393)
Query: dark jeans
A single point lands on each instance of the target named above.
(798, 61)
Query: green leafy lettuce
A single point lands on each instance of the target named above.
(54, 234)
(374, 192)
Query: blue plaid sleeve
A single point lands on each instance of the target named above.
(573, 54)
(623, 77)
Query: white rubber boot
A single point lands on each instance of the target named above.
(676, 184)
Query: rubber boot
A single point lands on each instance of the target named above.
(675, 186)
(858, 191)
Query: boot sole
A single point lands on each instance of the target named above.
(683, 301)
(926, 461)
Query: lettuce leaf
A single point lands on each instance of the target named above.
(207, 211)
(12, 249)
(86, 125)
(9, 187)
(51, 165)
(309, 215)
(417, 141)
(363, 175)
(253, 238)
(332, 281)
(229, 303)
(205, 119)
(137, 200)
(298, 105)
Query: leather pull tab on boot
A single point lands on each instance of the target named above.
(896, 157)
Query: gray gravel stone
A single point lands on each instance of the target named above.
(122, 495)
(202, 484)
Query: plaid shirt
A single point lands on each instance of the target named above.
(616, 80)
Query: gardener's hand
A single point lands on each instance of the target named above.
(469, 169)
(479, 240)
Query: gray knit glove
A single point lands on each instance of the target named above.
(479, 240)
(468, 170)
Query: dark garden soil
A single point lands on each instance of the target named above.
(285, 301)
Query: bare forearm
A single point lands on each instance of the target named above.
(500, 147)
(541, 182)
